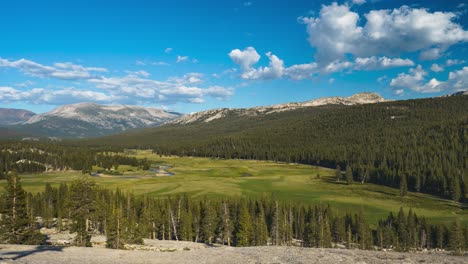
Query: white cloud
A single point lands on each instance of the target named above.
(245, 58)
(381, 79)
(168, 50)
(430, 54)
(273, 71)
(337, 66)
(436, 68)
(399, 92)
(155, 63)
(166, 92)
(415, 81)
(248, 57)
(374, 63)
(451, 62)
(189, 78)
(359, 2)
(331, 80)
(54, 97)
(181, 58)
(135, 87)
(63, 71)
(459, 79)
(139, 73)
(301, 71)
(25, 84)
(336, 32)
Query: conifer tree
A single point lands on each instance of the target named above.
(15, 225)
(403, 185)
(456, 238)
(349, 175)
(115, 228)
(244, 226)
(338, 173)
(208, 223)
(82, 206)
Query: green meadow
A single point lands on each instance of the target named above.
(217, 178)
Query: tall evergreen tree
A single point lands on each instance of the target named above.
(403, 185)
(244, 226)
(456, 238)
(82, 205)
(338, 174)
(349, 175)
(15, 225)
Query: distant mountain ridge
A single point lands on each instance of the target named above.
(10, 116)
(210, 115)
(91, 120)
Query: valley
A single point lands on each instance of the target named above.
(289, 183)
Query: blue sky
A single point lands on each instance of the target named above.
(195, 55)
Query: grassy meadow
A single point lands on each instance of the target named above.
(199, 177)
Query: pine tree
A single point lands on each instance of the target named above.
(82, 206)
(208, 223)
(338, 173)
(15, 225)
(456, 238)
(403, 185)
(455, 189)
(226, 225)
(244, 226)
(115, 229)
(349, 175)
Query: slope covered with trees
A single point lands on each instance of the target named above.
(416, 145)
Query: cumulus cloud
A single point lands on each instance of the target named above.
(301, 71)
(459, 79)
(167, 92)
(54, 97)
(135, 87)
(336, 32)
(337, 66)
(63, 71)
(189, 78)
(139, 73)
(168, 50)
(415, 80)
(276, 69)
(273, 71)
(451, 62)
(430, 54)
(245, 58)
(374, 63)
(248, 57)
(436, 68)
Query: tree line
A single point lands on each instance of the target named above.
(35, 157)
(125, 218)
(419, 144)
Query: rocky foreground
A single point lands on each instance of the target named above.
(187, 252)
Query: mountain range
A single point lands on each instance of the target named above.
(84, 120)
(214, 114)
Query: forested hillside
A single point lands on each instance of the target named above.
(416, 145)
